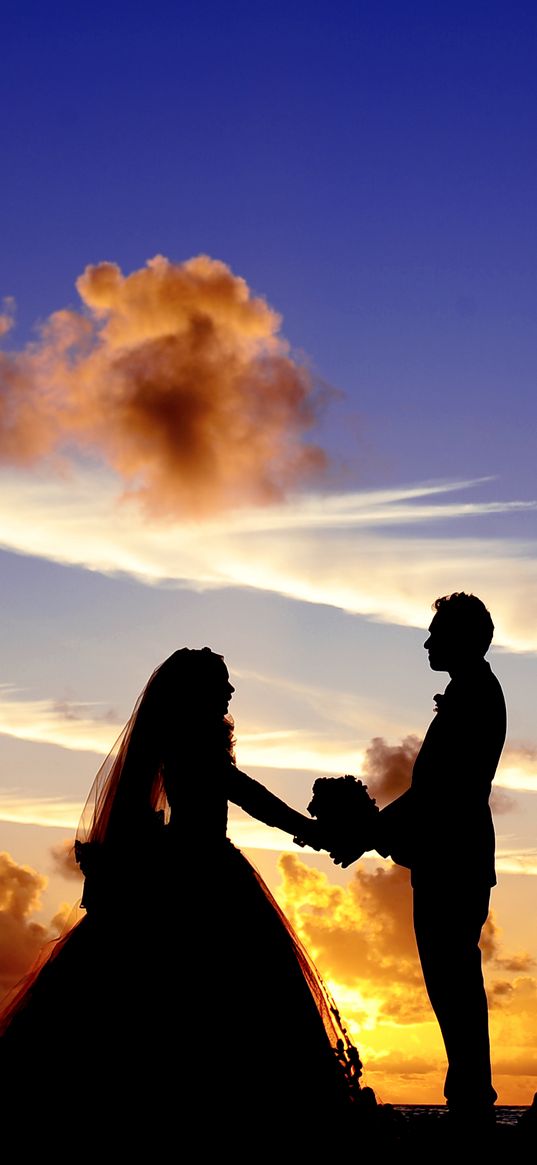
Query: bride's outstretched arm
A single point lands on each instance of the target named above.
(265, 806)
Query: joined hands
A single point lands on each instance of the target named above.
(345, 819)
(343, 851)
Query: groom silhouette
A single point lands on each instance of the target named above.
(441, 828)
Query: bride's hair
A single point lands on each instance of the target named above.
(130, 786)
(173, 719)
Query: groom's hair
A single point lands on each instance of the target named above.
(469, 617)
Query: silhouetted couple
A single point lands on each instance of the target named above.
(184, 984)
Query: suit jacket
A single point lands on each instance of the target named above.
(442, 826)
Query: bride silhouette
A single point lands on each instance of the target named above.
(183, 985)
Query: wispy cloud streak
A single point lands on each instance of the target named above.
(517, 862)
(47, 811)
(359, 552)
(67, 725)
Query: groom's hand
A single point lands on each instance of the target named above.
(350, 846)
(345, 857)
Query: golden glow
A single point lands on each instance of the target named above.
(362, 940)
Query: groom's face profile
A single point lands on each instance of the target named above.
(440, 644)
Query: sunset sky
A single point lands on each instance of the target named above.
(267, 327)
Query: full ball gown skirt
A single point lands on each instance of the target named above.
(182, 993)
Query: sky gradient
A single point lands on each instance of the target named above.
(363, 182)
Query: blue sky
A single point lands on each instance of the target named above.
(370, 169)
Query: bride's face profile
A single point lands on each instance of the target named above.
(219, 689)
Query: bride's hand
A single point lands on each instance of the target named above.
(310, 834)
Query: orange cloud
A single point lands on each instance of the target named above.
(359, 932)
(176, 377)
(20, 937)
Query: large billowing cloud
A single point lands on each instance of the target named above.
(362, 931)
(174, 376)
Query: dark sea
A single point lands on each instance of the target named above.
(506, 1114)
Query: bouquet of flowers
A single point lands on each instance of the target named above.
(346, 816)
